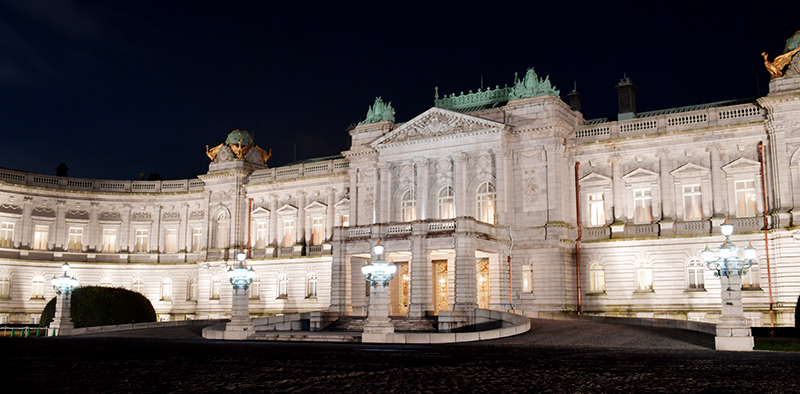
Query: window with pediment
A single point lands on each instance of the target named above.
(643, 195)
(744, 185)
(41, 236)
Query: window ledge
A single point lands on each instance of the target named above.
(643, 292)
(282, 297)
(597, 294)
(695, 291)
(311, 298)
(37, 298)
(752, 289)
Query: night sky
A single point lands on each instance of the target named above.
(118, 88)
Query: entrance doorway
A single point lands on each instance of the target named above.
(483, 283)
(440, 285)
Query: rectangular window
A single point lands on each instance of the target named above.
(7, 234)
(261, 235)
(745, 198)
(37, 288)
(222, 234)
(288, 232)
(171, 241)
(141, 241)
(642, 203)
(109, 240)
(597, 278)
(5, 287)
(345, 221)
(75, 239)
(597, 210)
(750, 280)
(317, 231)
(215, 288)
(197, 239)
(527, 279)
(692, 203)
(255, 289)
(41, 235)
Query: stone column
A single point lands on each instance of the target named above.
(26, 238)
(302, 237)
(125, 229)
(667, 194)
(61, 225)
(378, 323)
(184, 235)
(719, 189)
(386, 178)
(733, 333)
(618, 226)
(420, 299)
(354, 220)
(422, 188)
(273, 220)
(330, 213)
(461, 180)
(339, 267)
(95, 233)
(465, 286)
(504, 186)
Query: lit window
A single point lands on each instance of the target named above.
(283, 286)
(597, 278)
(317, 231)
(255, 288)
(106, 282)
(345, 221)
(750, 280)
(692, 202)
(222, 232)
(191, 289)
(745, 198)
(527, 279)
(215, 288)
(288, 232)
(37, 287)
(694, 270)
(142, 236)
(311, 285)
(446, 203)
(597, 210)
(642, 202)
(5, 287)
(138, 286)
(41, 235)
(197, 239)
(171, 241)
(166, 289)
(486, 203)
(75, 239)
(408, 209)
(109, 240)
(6, 234)
(644, 276)
(261, 234)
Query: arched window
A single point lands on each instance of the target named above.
(311, 285)
(166, 289)
(222, 230)
(597, 278)
(408, 208)
(138, 286)
(106, 282)
(446, 203)
(283, 286)
(487, 208)
(5, 287)
(644, 276)
(695, 278)
(255, 288)
(191, 289)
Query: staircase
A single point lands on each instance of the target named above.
(401, 324)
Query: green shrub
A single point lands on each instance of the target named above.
(100, 306)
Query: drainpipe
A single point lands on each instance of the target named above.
(578, 240)
(249, 221)
(766, 231)
(510, 302)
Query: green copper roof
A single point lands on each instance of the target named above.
(379, 112)
(792, 42)
(529, 86)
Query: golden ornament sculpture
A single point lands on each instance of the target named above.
(264, 154)
(776, 67)
(212, 153)
(239, 151)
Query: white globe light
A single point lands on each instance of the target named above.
(378, 248)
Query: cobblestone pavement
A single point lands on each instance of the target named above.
(570, 357)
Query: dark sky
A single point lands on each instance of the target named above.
(121, 87)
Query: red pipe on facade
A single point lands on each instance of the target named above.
(578, 240)
(766, 231)
(249, 221)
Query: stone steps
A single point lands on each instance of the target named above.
(304, 337)
(401, 324)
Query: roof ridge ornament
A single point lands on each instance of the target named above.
(531, 86)
(379, 112)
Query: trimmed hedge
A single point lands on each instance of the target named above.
(101, 306)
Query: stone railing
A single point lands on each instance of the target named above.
(422, 227)
(668, 121)
(302, 170)
(100, 185)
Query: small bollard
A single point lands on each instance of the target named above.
(12, 333)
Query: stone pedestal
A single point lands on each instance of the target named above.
(733, 333)
(62, 319)
(378, 323)
(240, 326)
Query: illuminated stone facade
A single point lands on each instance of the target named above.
(448, 193)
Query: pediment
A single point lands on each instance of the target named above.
(741, 165)
(260, 211)
(343, 203)
(690, 170)
(640, 175)
(316, 206)
(286, 209)
(594, 179)
(437, 122)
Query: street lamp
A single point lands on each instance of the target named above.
(378, 273)
(240, 277)
(733, 332)
(64, 286)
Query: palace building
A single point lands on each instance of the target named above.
(499, 198)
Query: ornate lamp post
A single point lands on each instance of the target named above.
(733, 333)
(378, 273)
(64, 286)
(240, 277)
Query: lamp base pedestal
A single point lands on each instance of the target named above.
(738, 344)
